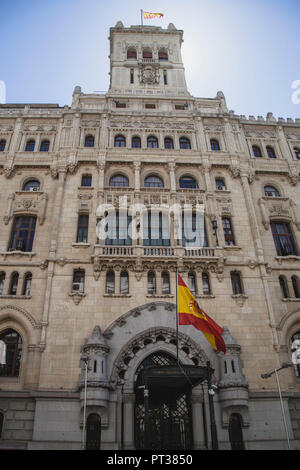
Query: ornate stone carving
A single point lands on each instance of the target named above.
(149, 73)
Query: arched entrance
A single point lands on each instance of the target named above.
(164, 419)
(93, 432)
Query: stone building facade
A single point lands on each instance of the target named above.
(67, 294)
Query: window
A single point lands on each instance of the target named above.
(30, 146)
(124, 282)
(256, 151)
(284, 287)
(297, 152)
(147, 54)
(27, 284)
(206, 284)
(22, 233)
(163, 55)
(156, 228)
(271, 152)
(283, 239)
(193, 229)
(118, 228)
(86, 180)
(153, 182)
(120, 141)
(187, 182)
(228, 232)
(169, 143)
(296, 286)
(271, 191)
(152, 142)
(214, 144)
(136, 142)
(82, 229)
(110, 282)
(13, 351)
(150, 106)
(1, 423)
(165, 77)
(184, 143)
(151, 283)
(131, 53)
(120, 105)
(45, 145)
(89, 141)
(119, 181)
(31, 185)
(13, 285)
(192, 283)
(2, 281)
(78, 281)
(236, 282)
(220, 184)
(131, 76)
(2, 145)
(165, 282)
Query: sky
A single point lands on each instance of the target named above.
(247, 49)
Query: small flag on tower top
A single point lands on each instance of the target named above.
(190, 313)
(149, 15)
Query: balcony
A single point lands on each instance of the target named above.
(110, 251)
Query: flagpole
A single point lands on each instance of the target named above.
(177, 319)
(141, 17)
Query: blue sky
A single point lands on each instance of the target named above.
(249, 50)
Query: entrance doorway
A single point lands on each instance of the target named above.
(93, 432)
(169, 424)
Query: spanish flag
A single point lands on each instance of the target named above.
(148, 15)
(189, 313)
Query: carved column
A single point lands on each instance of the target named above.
(137, 176)
(16, 137)
(56, 145)
(76, 130)
(172, 166)
(104, 132)
(229, 137)
(200, 135)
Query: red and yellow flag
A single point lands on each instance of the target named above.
(148, 15)
(189, 313)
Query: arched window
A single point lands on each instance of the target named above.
(270, 152)
(86, 180)
(110, 282)
(236, 282)
(296, 286)
(2, 145)
(284, 287)
(2, 281)
(119, 181)
(93, 432)
(120, 141)
(165, 282)
(192, 283)
(82, 228)
(151, 283)
(131, 53)
(30, 144)
(27, 284)
(78, 281)
(235, 432)
(12, 346)
(220, 184)
(45, 145)
(89, 141)
(184, 143)
(153, 182)
(206, 284)
(256, 151)
(214, 144)
(163, 54)
(169, 144)
(147, 53)
(186, 182)
(297, 152)
(22, 234)
(152, 142)
(124, 282)
(136, 142)
(31, 185)
(271, 191)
